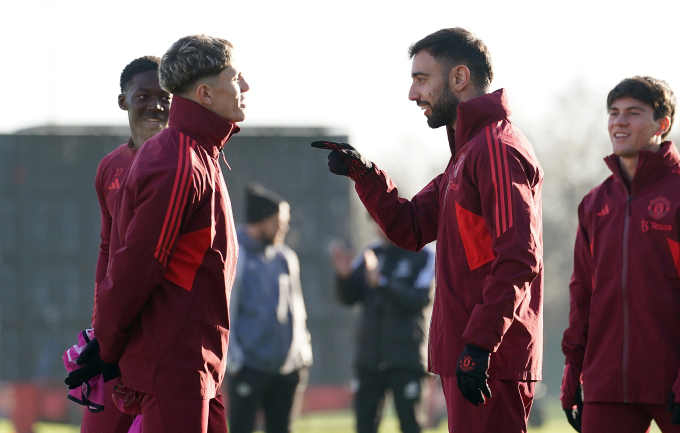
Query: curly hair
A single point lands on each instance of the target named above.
(192, 58)
(654, 92)
(136, 67)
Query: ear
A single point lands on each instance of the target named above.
(664, 125)
(122, 103)
(203, 94)
(459, 78)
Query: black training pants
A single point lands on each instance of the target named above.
(406, 386)
(274, 393)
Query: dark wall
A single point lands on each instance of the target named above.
(49, 242)
(50, 236)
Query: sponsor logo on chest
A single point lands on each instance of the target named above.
(657, 209)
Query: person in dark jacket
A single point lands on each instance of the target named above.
(269, 346)
(162, 315)
(147, 106)
(394, 287)
(484, 211)
(622, 345)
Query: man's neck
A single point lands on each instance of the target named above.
(469, 93)
(135, 142)
(628, 166)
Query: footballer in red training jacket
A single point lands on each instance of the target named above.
(484, 212)
(622, 345)
(162, 309)
(147, 106)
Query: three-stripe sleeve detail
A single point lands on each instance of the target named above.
(178, 199)
(500, 176)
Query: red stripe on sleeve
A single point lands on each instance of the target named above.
(169, 211)
(493, 176)
(508, 185)
(182, 197)
(497, 146)
(178, 188)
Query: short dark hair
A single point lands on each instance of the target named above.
(654, 92)
(451, 47)
(191, 58)
(136, 67)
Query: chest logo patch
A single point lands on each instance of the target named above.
(659, 207)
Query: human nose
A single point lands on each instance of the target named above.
(620, 119)
(244, 85)
(412, 93)
(155, 105)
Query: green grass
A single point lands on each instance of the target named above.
(343, 422)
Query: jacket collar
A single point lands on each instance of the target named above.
(475, 114)
(651, 166)
(210, 130)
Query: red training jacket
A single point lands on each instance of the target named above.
(485, 213)
(107, 182)
(162, 309)
(624, 323)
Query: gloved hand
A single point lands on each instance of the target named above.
(674, 408)
(344, 159)
(471, 374)
(92, 365)
(570, 394)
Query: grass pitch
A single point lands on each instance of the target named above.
(343, 422)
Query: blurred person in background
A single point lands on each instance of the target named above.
(269, 346)
(162, 318)
(394, 287)
(622, 345)
(484, 212)
(147, 106)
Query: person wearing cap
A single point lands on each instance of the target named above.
(269, 345)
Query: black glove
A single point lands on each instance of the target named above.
(344, 159)
(574, 415)
(92, 365)
(471, 374)
(674, 408)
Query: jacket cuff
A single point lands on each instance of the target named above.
(478, 346)
(372, 172)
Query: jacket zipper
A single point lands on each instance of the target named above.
(624, 294)
(436, 277)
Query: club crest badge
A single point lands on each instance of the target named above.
(659, 207)
(467, 363)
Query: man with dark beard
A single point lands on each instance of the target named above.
(269, 344)
(485, 212)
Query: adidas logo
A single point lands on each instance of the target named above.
(114, 184)
(604, 211)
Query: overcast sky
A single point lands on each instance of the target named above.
(341, 64)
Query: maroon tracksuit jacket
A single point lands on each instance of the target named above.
(162, 310)
(485, 213)
(624, 323)
(107, 182)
